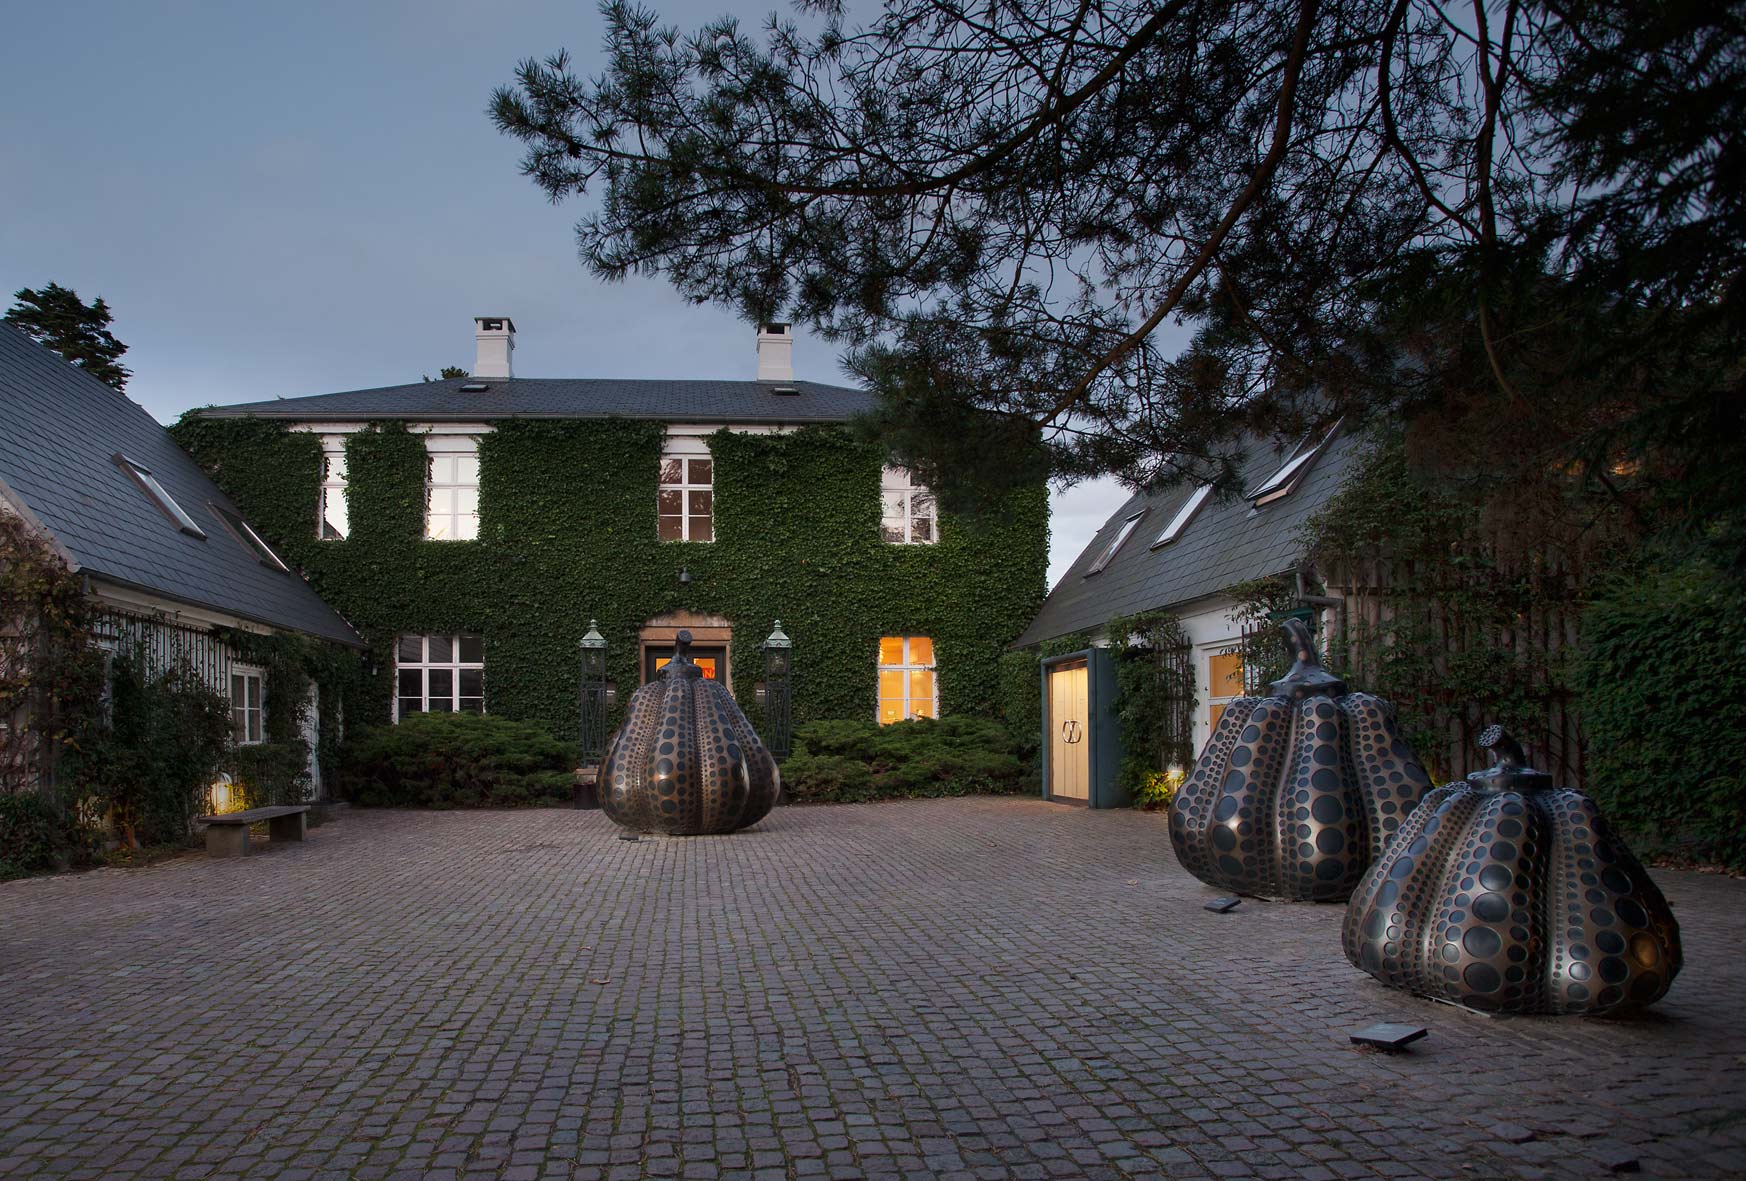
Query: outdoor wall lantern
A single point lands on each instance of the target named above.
(686, 761)
(1506, 894)
(776, 695)
(1297, 792)
(596, 694)
(684, 576)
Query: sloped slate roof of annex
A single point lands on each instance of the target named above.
(542, 397)
(60, 429)
(1227, 542)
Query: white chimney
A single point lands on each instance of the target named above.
(775, 353)
(494, 337)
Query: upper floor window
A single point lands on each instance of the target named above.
(452, 510)
(1183, 516)
(1284, 482)
(907, 688)
(907, 515)
(439, 675)
(332, 521)
(1115, 543)
(166, 503)
(685, 501)
(245, 706)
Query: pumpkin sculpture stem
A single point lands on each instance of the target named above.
(1509, 770)
(1307, 677)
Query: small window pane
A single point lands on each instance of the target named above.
(921, 685)
(669, 503)
(472, 682)
(442, 649)
(254, 725)
(467, 500)
(472, 650)
(702, 529)
(701, 503)
(890, 650)
(442, 684)
(921, 504)
(411, 682)
(411, 705)
(335, 466)
(466, 468)
(472, 705)
(701, 471)
(672, 529)
(921, 650)
(411, 648)
(891, 684)
(1225, 671)
(467, 527)
(922, 529)
(892, 532)
(335, 523)
(253, 685)
(890, 711)
(442, 705)
(238, 691)
(921, 707)
(672, 471)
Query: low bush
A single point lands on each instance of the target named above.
(37, 837)
(270, 773)
(842, 761)
(457, 761)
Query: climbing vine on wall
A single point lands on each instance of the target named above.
(568, 533)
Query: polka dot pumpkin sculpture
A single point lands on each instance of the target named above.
(1296, 792)
(1506, 894)
(686, 761)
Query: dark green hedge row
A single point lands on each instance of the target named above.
(1664, 659)
(848, 761)
(567, 533)
(457, 761)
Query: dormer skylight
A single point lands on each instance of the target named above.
(473, 387)
(785, 391)
(166, 503)
(243, 532)
(1183, 516)
(1284, 482)
(1115, 544)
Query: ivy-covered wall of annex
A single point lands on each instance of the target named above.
(568, 533)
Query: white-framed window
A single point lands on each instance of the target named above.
(245, 533)
(1115, 543)
(685, 501)
(1224, 680)
(332, 516)
(452, 504)
(907, 685)
(439, 674)
(245, 705)
(908, 515)
(1183, 516)
(1284, 482)
(148, 483)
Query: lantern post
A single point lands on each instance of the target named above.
(778, 674)
(594, 702)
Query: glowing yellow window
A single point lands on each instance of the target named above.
(907, 688)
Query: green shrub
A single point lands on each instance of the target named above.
(843, 761)
(36, 837)
(271, 772)
(457, 761)
(1664, 656)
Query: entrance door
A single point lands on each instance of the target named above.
(1069, 756)
(713, 661)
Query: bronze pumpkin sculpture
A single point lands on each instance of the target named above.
(1296, 792)
(1506, 894)
(686, 761)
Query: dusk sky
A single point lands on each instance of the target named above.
(282, 200)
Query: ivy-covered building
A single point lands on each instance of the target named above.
(1172, 567)
(471, 528)
(169, 574)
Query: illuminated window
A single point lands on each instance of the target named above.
(1183, 516)
(439, 675)
(685, 500)
(245, 706)
(332, 520)
(907, 515)
(1115, 544)
(907, 688)
(166, 503)
(452, 506)
(1224, 683)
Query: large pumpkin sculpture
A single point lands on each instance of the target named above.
(1296, 792)
(686, 760)
(1506, 894)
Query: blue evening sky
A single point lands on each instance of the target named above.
(289, 199)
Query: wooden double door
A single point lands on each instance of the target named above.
(1068, 723)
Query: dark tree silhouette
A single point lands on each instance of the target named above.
(55, 316)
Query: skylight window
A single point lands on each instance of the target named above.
(1115, 544)
(166, 503)
(1284, 482)
(1183, 516)
(474, 387)
(241, 530)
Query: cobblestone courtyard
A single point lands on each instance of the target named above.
(975, 988)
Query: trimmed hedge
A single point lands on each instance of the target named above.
(457, 761)
(842, 761)
(1664, 656)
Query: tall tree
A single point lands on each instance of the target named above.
(55, 316)
(1519, 220)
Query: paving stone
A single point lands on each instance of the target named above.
(955, 988)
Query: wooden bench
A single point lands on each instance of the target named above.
(228, 835)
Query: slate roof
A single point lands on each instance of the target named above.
(542, 397)
(60, 429)
(1227, 542)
